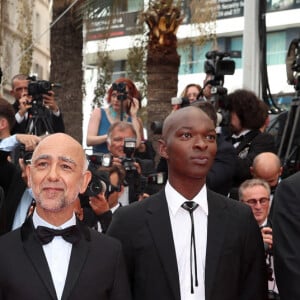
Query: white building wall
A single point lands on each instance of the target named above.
(10, 53)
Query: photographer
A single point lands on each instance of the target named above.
(123, 100)
(123, 154)
(101, 206)
(23, 106)
(256, 194)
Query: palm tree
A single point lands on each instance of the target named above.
(163, 19)
(66, 65)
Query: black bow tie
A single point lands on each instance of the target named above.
(70, 234)
(237, 140)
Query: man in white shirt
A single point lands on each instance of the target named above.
(187, 242)
(53, 255)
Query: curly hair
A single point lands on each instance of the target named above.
(247, 107)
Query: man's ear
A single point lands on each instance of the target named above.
(27, 171)
(85, 181)
(162, 149)
(252, 171)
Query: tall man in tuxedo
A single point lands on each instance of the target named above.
(53, 256)
(214, 250)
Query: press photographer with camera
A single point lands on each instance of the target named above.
(48, 108)
(123, 101)
(121, 143)
(256, 194)
(103, 193)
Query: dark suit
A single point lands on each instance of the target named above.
(286, 238)
(254, 143)
(235, 263)
(96, 269)
(12, 200)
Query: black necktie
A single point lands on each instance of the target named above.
(70, 234)
(190, 206)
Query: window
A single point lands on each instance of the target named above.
(276, 48)
(236, 44)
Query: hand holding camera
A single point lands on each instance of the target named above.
(49, 101)
(24, 104)
(99, 203)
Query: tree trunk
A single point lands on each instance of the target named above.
(66, 67)
(162, 77)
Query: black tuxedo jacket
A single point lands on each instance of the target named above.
(253, 144)
(286, 241)
(235, 262)
(12, 200)
(96, 269)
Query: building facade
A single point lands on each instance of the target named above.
(18, 20)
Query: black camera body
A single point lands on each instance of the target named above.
(129, 148)
(121, 90)
(25, 155)
(39, 87)
(100, 159)
(100, 181)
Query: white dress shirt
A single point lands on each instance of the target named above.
(57, 252)
(181, 228)
(9, 144)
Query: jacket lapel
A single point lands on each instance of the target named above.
(78, 257)
(216, 229)
(35, 253)
(247, 140)
(160, 228)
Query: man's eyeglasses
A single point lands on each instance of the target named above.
(253, 202)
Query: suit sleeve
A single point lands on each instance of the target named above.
(58, 124)
(286, 235)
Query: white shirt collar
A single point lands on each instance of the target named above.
(175, 199)
(38, 221)
(244, 132)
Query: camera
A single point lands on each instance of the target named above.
(25, 155)
(100, 159)
(129, 148)
(183, 102)
(217, 65)
(121, 90)
(39, 87)
(157, 178)
(293, 64)
(100, 182)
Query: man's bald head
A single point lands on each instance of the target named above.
(173, 119)
(267, 166)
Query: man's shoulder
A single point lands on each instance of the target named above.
(233, 206)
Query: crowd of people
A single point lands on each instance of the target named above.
(211, 219)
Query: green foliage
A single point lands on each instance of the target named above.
(105, 71)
